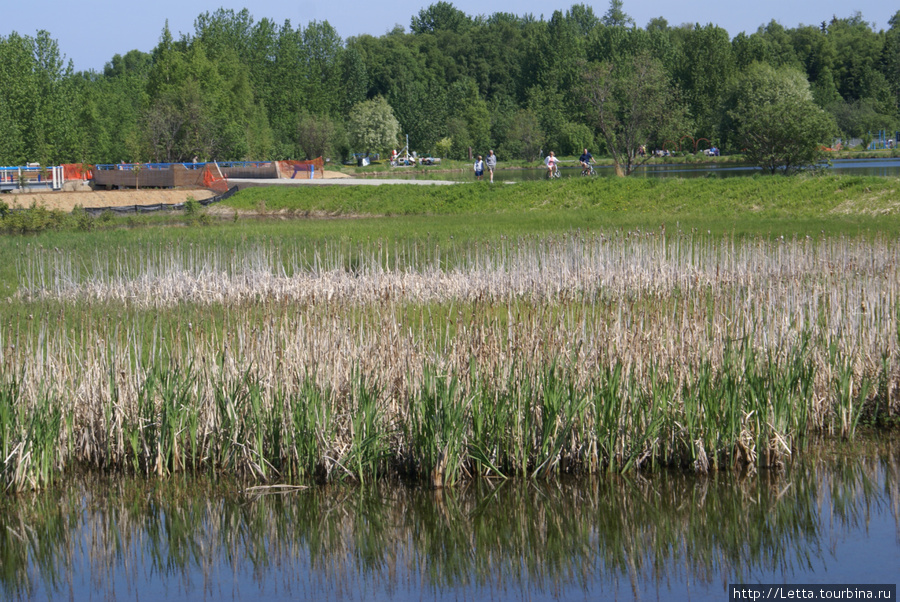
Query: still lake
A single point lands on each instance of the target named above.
(831, 517)
(861, 167)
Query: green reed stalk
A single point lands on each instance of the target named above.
(29, 438)
(488, 420)
(607, 409)
(562, 409)
(850, 394)
(648, 418)
(229, 398)
(436, 429)
(310, 427)
(9, 396)
(368, 434)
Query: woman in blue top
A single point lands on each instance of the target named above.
(479, 168)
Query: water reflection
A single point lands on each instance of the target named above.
(628, 536)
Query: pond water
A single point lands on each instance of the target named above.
(868, 167)
(832, 518)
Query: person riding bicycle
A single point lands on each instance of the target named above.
(552, 164)
(586, 159)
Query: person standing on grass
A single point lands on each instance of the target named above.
(479, 167)
(491, 164)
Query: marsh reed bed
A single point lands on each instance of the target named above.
(575, 353)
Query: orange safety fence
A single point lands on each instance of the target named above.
(214, 179)
(302, 169)
(77, 171)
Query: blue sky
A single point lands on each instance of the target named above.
(90, 32)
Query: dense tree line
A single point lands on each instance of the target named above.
(243, 89)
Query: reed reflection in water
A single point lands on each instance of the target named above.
(628, 537)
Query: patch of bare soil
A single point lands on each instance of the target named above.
(333, 175)
(66, 201)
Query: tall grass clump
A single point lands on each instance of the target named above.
(530, 357)
(32, 437)
(309, 428)
(436, 430)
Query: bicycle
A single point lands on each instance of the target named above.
(554, 173)
(587, 171)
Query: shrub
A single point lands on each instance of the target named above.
(191, 206)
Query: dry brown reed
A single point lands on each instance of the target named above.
(657, 307)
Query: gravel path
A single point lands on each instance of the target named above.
(242, 183)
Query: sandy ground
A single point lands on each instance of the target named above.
(66, 201)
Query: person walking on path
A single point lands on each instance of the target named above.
(491, 164)
(479, 168)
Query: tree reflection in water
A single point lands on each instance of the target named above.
(197, 538)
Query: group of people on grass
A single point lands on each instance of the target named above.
(550, 162)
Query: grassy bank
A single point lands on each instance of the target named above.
(752, 204)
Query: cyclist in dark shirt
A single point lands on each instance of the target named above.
(586, 159)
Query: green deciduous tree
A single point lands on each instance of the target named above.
(354, 79)
(859, 53)
(40, 99)
(467, 105)
(322, 48)
(163, 124)
(778, 125)
(891, 58)
(458, 132)
(632, 105)
(858, 117)
(16, 90)
(11, 140)
(440, 16)
(704, 66)
(260, 138)
(615, 16)
(372, 126)
(315, 134)
(522, 136)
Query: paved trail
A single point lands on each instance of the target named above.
(242, 183)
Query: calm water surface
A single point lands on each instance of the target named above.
(832, 518)
(868, 167)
